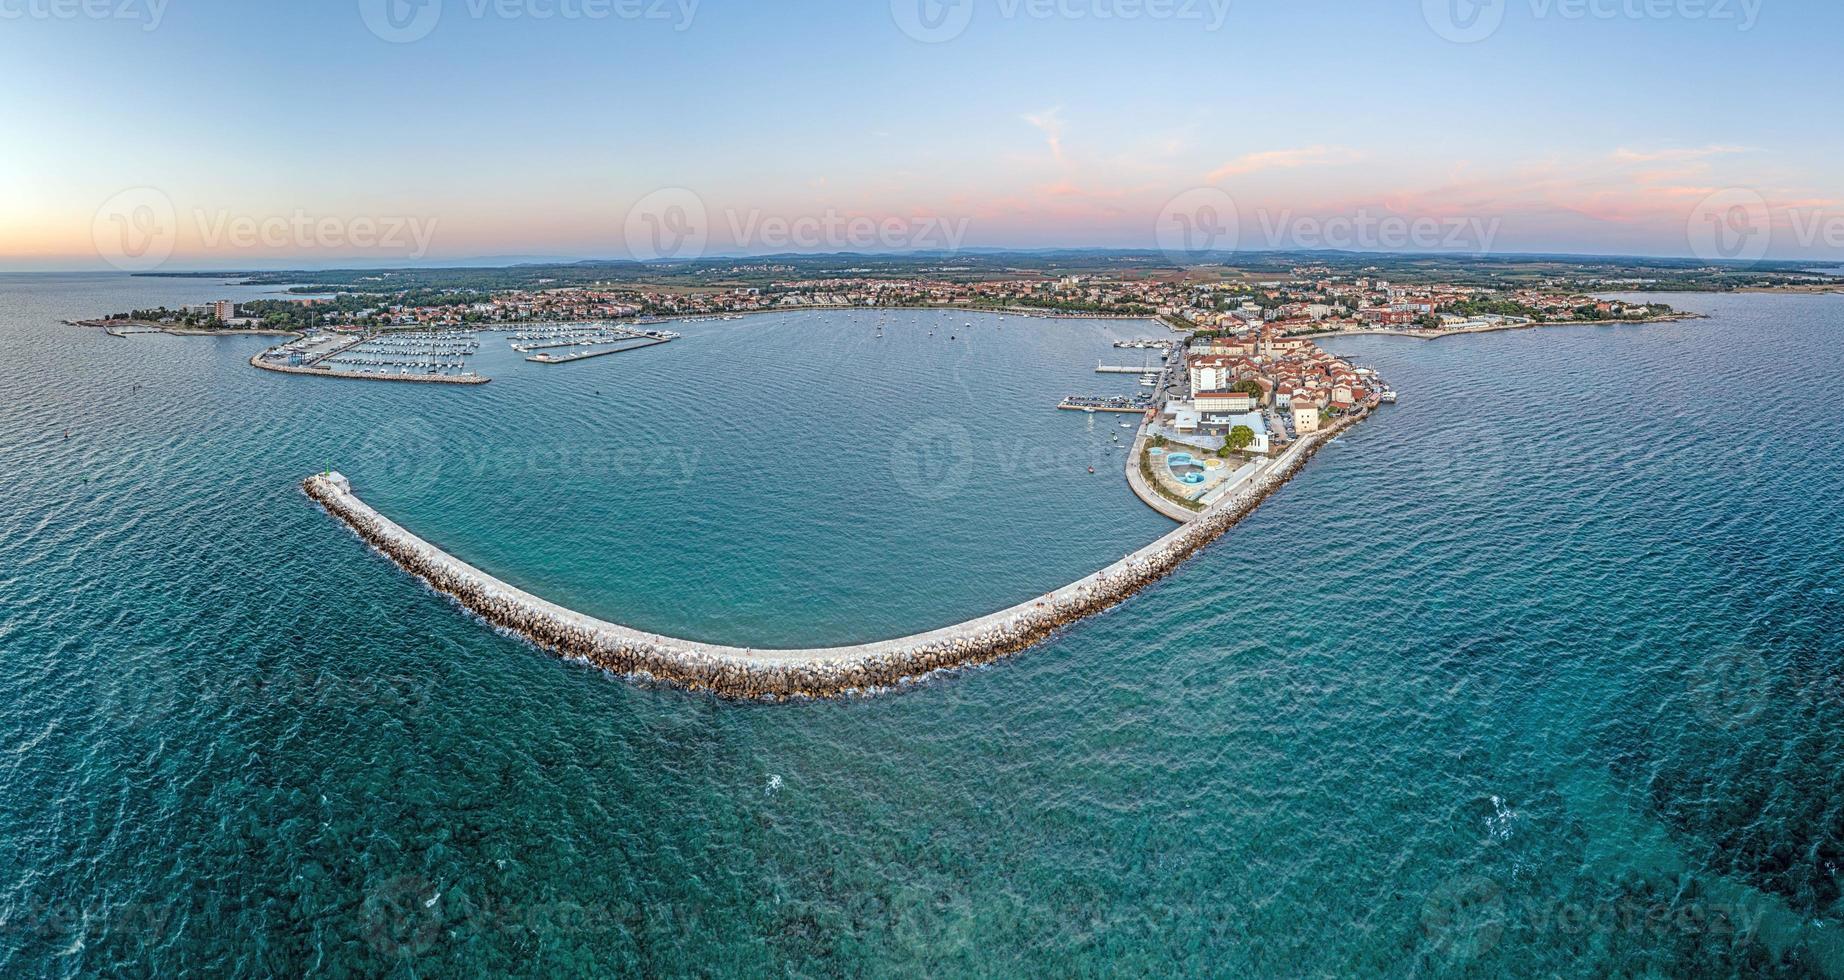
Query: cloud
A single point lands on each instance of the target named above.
(1050, 122)
(1310, 156)
(1674, 154)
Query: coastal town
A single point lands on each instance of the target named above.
(1252, 326)
(1309, 300)
(1232, 379)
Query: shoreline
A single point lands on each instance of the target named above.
(742, 673)
(142, 326)
(1024, 311)
(1498, 328)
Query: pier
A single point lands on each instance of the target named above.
(1128, 369)
(1135, 405)
(587, 354)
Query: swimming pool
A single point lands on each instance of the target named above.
(1186, 469)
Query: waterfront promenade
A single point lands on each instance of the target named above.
(780, 675)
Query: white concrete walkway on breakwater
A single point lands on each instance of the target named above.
(741, 672)
(1148, 494)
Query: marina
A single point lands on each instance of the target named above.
(423, 356)
(593, 339)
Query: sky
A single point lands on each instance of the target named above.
(231, 134)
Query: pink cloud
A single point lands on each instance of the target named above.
(1310, 156)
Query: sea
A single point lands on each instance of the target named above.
(1536, 673)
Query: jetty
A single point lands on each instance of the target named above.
(1128, 369)
(584, 355)
(782, 675)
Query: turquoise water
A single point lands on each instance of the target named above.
(1534, 674)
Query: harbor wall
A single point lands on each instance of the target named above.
(782, 675)
(434, 379)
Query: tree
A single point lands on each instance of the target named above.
(1251, 388)
(1241, 437)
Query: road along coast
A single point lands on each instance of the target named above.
(782, 675)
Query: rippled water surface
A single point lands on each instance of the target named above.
(1537, 673)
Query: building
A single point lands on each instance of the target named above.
(1255, 424)
(1305, 416)
(224, 311)
(1185, 420)
(1233, 402)
(1211, 372)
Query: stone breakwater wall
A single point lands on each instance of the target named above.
(434, 379)
(781, 675)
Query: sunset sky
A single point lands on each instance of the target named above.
(311, 134)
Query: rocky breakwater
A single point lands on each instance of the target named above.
(781, 675)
